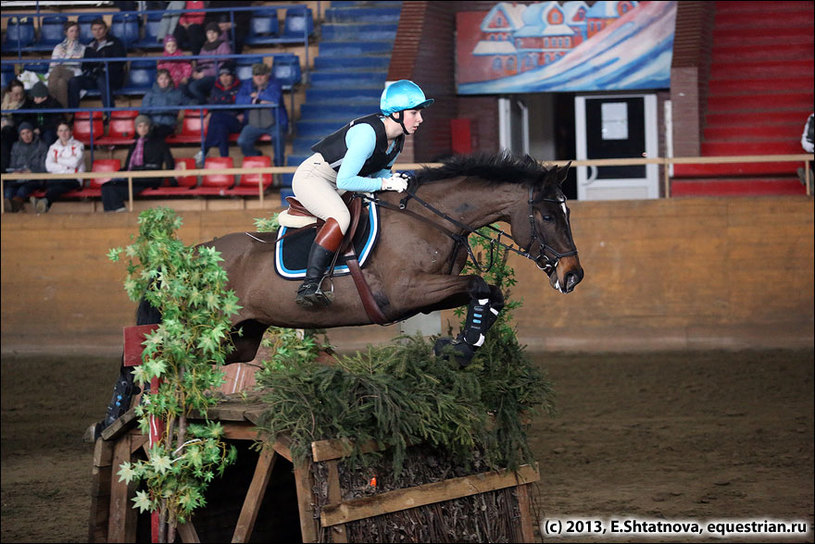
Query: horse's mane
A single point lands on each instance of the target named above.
(497, 168)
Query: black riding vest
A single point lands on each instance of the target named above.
(333, 147)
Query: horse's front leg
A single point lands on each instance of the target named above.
(486, 301)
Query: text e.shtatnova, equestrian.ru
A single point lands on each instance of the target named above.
(565, 527)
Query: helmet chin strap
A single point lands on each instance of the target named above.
(400, 120)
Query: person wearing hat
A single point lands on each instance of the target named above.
(222, 122)
(357, 157)
(148, 152)
(274, 121)
(27, 156)
(206, 70)
(45, 124)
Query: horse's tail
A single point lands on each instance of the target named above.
(147, 314)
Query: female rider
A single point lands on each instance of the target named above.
(358, 157)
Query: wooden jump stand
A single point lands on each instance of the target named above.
(113, 518)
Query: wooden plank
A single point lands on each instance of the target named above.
(122, 520)
(100, 491)
(326, 450)
(525, 509)
(338, 533)
(240, 431)
(187, 532)
(305, 503)
(120, 426)
(254, 496)
(412, 497)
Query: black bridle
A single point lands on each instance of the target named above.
(543, 261)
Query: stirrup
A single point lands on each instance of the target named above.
(310, 294)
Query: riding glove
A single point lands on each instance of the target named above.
(397, 182)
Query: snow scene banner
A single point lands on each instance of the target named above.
(568, 47)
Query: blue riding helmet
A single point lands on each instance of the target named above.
(402, 95)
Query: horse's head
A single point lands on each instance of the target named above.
(545, 231)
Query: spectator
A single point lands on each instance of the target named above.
(65, 156)
(206, 70)
(807, 143)
(189, 30)
(13, 99)
(222, 123)
(242, 20)
(45, 124)
(259, 121)
(147, 153)
(163, 94)
(95, 75)
(180, 70)
(60, 73)
(27, 156)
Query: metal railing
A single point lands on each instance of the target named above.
(806, 159)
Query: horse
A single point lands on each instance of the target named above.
(416, 264)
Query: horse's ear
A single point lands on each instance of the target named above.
(563, 172)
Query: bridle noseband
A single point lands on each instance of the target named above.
(542, 260)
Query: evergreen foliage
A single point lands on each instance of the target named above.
(186, 352)
(401, 394)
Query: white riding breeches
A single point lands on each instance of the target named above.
(315, 185)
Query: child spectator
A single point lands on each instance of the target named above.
(206, 70)
(59, 73)
(259, 121)
(27, 156)
(66, 155)
(148, 152)
(224, 122)
(13, 99)
(45, 124)
(180, 70)
(95, 75)
(163, 94)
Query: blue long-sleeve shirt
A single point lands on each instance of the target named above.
(361, 142)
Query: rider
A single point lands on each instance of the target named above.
(358, 157)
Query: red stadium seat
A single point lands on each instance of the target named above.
(186, 163)
(103, 165)
(248, 183)
(124, 114)
(83, 127)
(217, 183)
(190, 131)
(121, 131)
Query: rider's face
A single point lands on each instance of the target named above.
(412, 119)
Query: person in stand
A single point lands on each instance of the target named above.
(163, 95)
(65, 156)
(222, 122)
(60, 73)
(45, 124)
(96, 75)
(235, 24)
(13, 99)
(27, 156)
(148, 152)
(180, 69)
(358, 157)
(189, 31)
(206, 70)
(808, 144)
(259, 121)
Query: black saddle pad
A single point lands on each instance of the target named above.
(291, 253)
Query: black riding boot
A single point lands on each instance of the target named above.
(309, 294)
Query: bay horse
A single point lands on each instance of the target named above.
(421, 251)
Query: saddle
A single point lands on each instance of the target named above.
(297, 217)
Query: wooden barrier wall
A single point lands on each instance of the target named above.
(660, 274)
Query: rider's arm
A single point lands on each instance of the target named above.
(361, 142)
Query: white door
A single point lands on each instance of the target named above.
(513, 125)
(616, 127)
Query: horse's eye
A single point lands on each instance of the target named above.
(547, 218)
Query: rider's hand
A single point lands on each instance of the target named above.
(397, 182)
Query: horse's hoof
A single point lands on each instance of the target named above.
(459, 352)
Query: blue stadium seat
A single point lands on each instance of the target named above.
(85, 34)
(6, 75)
(140, 77)
(125, 26)
(243, 67)
(19, 32)
(286, 70)
(52, 32)
(264, 27)
(150, 38)
(297, 21)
